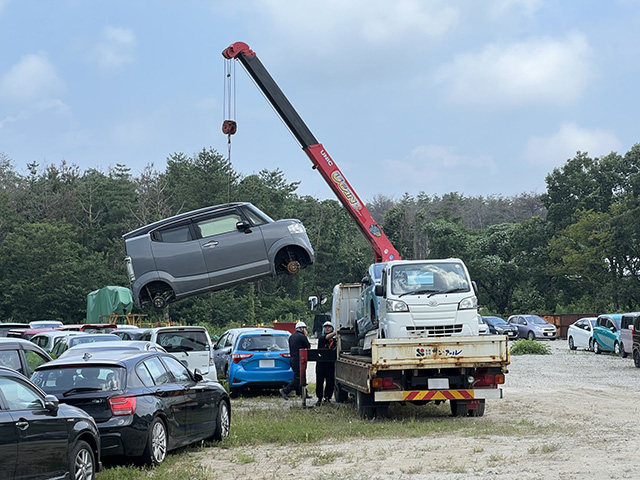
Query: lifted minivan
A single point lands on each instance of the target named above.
(211, 249)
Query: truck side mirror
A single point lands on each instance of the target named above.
(379, 291)
(475, 286)
(312, 302)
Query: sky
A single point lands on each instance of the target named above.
(408, 97)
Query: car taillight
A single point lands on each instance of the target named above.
(122, 405)
(236, 357)
(489, 380)
(285, 355)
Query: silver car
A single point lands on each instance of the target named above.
(211, 249)
(533, 327)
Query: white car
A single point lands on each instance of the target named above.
(47, 340)
(92, 348)
(191, 345)
(580, 333)
(483, 328)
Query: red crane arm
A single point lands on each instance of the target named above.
(322, 161)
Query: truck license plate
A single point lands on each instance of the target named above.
(438, 383)
(267, 363)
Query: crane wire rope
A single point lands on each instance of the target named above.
(229, 125)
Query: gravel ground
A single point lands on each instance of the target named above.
(582, 412)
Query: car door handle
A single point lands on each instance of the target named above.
(212, 243)
(22, 424)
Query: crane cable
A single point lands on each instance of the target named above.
(229, 125)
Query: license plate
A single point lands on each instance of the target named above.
(267, 363)
(438, 383)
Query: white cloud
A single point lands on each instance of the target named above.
(33, 78)
(117, 48)
(548, 71)
(376, 22)
(556, 149)
(437, 169)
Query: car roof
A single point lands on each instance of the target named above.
(7, 343)
(178, 328)
(176, 218)
(138, 345)
(110, 357)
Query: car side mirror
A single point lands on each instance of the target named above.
(51, 403)
(524, 322)
(244, 226)
(197, 375)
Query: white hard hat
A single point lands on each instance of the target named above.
(327, 324)
(301, 325)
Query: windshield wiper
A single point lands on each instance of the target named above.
(82, 389)
(420, 292)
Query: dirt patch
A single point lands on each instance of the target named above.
(582, 409)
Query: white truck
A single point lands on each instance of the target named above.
(426, 345)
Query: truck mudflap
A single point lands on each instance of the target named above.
(424, 395)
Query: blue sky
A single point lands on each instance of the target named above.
(409, 96)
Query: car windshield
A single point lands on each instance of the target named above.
(497, 321)
(263, 343)
(65, 380)
(183, 341)
(425, 278)
(80, 339)
(535, 319)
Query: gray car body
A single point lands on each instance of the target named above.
(527, 324)
(367, 307)
(161, 261)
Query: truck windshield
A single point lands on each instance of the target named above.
(428, 278)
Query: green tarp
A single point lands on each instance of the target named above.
(108, 300)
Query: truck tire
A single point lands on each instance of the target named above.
(382, 411)
(364, 405)
(459, 408)
(636, 357)
(340, 394)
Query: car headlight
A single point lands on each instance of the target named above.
(296, 228)
(397, 306)
(499, 329)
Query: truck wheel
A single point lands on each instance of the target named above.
(477, 412)
(382, 411)
(459, 408)
(571, 344)
(363, 405)
(636, 357)
(341, 394)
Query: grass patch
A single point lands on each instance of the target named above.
(530, 347)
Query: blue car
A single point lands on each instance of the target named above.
(606, 333)
(254, 358)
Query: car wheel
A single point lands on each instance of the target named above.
(636, 357)
(591, 344)
(596, 348)
(223, 422)
(459, 408)
(623, 352)
(82, 464)
(156, 449)
(571, 344)
(616, 348)
(531, 336)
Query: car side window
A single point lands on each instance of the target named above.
(217, 225)
(34, 360)
(179, 371)
(158, 372)
(173, 234)
(10, 359)
(18, 395)
(144, 375)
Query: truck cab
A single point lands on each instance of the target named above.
(426, 298)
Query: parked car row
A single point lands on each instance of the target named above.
(139, 401)
(531, 327)
(617, 333)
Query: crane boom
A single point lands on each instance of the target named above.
(382, 248)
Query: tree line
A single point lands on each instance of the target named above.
(574, 248)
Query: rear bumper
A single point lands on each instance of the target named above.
(424, 395)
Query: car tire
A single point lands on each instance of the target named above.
(591, 344)
(571, 344)
(156, 450)
(623, 352)
(596, 348)
(531, 336)
(616, 348)
(636, 357)
(223, 422)
(82, 462)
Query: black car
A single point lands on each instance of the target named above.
(144, 403)
(40, 438)
(499, 326)
(21, 355)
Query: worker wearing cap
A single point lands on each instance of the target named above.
(325, 371)
(297, 341)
